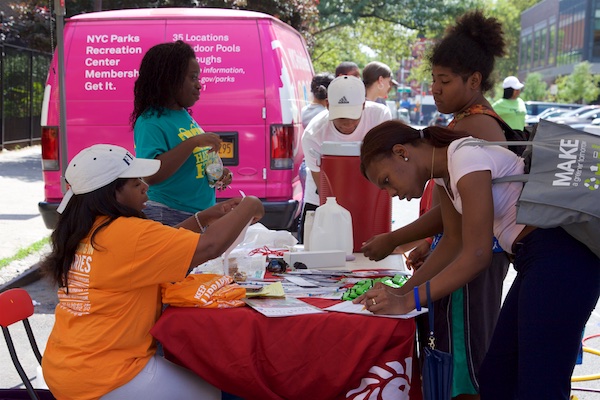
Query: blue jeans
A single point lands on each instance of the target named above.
(535, 344)
(161, 213)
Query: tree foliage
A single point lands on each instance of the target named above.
(579, 87)
(31, 26)
(300, 14)
(368, 40)
(422, 16)
(536, 89)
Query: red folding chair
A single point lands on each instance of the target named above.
(16, 305)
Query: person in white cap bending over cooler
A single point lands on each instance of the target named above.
(511, 108)
(348, 119)
(108, 261)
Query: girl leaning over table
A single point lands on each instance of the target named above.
(109, 260)
(536, 340)
(462, 65)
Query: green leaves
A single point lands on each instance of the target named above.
(579, 87)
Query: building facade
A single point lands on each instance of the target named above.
(556, 35)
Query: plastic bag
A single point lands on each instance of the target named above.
(257, 236)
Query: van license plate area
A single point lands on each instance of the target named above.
(229, 148)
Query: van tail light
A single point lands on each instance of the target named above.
(282, 146)
(50, 148)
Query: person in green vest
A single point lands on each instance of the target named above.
(511, 107)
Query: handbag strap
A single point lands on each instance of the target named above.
(431, 341)
(480, 142)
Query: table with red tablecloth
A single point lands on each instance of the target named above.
(315, 356)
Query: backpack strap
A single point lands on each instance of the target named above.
(509, 133)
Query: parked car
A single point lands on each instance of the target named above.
(578, 118)
(594, 127)
(574, 113)
(547, 113)
(535, 108)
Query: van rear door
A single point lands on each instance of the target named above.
(289, 74)
(232, 99)
(102, 61)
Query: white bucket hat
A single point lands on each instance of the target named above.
(97, 166)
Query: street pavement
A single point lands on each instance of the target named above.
(21, 187)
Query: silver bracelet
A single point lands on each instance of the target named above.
(202, 228)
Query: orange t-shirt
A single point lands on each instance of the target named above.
(101, 336)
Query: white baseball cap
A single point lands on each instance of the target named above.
(97, 166)
(346, 95)
(512, 82)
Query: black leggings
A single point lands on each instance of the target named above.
(537, 338)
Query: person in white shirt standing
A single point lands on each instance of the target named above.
(348, 119)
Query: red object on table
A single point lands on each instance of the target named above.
(317, 356)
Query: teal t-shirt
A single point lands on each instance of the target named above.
(512, 112)
(187, 189)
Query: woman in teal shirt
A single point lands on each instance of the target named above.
(168, 85)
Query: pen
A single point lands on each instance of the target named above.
(405, 260)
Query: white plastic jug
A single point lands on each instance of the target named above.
(332, 228)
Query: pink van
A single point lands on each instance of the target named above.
(255, 71)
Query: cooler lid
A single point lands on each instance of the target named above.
(340, 148)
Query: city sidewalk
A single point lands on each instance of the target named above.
(21, 225)
(20, 222)
(22, 187)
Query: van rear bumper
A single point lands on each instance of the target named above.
(48, 213)
(279, 215)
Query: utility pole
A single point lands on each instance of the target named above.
(59, 6)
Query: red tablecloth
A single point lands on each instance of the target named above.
(318, 356)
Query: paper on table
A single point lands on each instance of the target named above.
(272, 290)
(237, 241)
(301, 281)
(285, 307)
(349, 307)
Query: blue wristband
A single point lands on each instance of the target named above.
(417, 300)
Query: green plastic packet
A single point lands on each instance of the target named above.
(364, 285)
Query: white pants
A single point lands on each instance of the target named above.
(161, 379)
